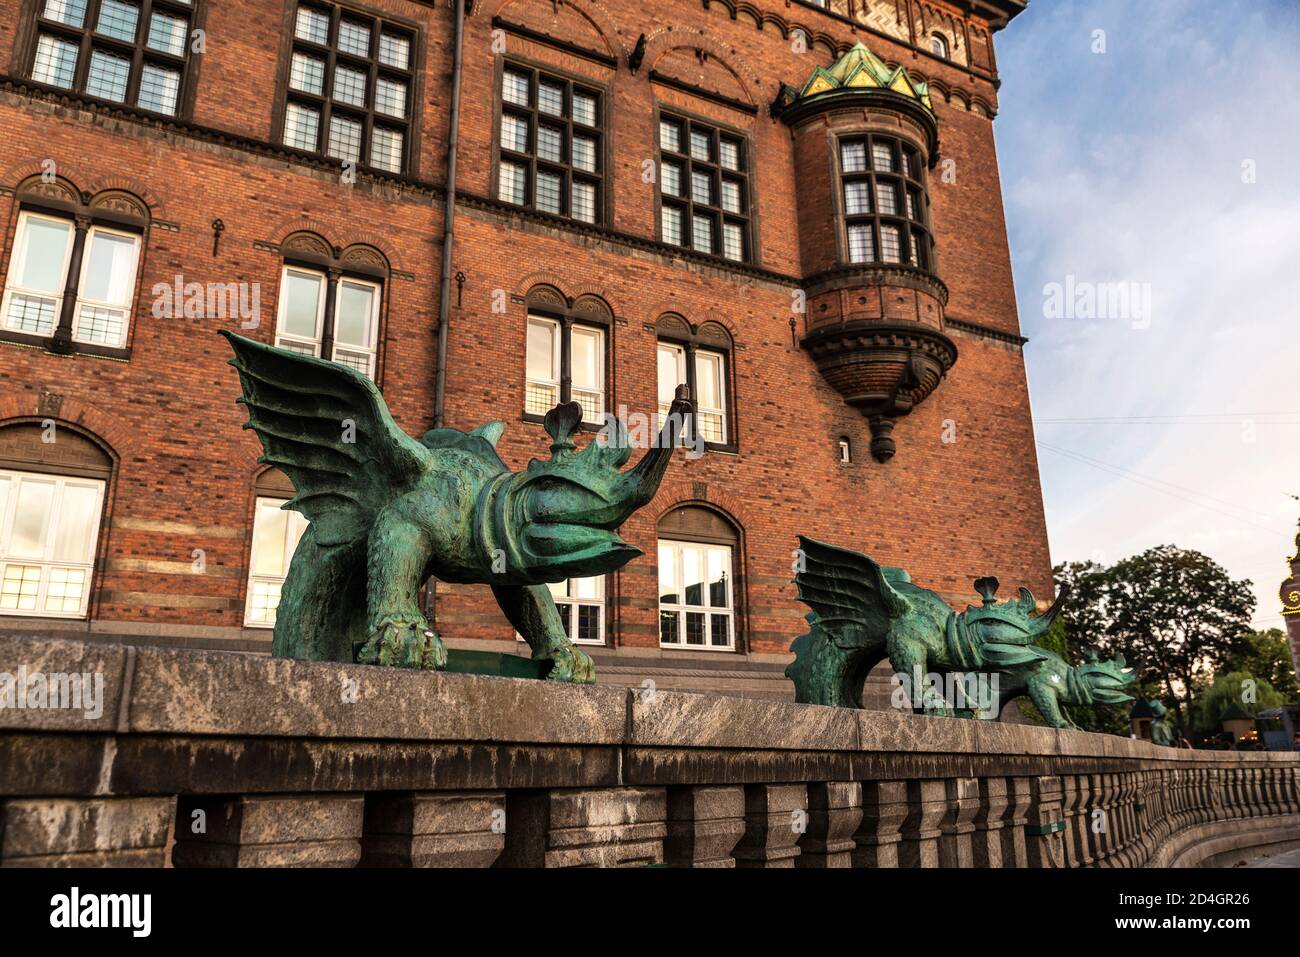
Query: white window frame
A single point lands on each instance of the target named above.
(556, 347)
(599, 391)
(557, 366)
(709, 611)
(18, 263)
(46, 561)
(82, 300)
(940, 46)
(282, 337)
(294, 518)
(701, 355)
(567, 606)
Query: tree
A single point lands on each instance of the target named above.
(1237, 689)
(1175, 615)
(1268, 657)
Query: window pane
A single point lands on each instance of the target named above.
(584, 153)
(853, 157)
(99, 324)
(354, 324)
(586, 359)
(914, 250)
(110, 269)
(107, 76)
(671, 218)
(550, 144)
(702, 188)
(692, 576)
(708, 380)
(695, 628)
(548, 192)
(71, 12)
(158, 89)
(890, 248)
(862, 245)
(65, 590)
(914, 205)
(882, 157)
(514, 133)
(541, 352)
(31, 518)
(584, 202)
(733, 241)
(671, 174)
(56, 61)
(31, 314)
(702, 233)
(349, 86)
(46, 249)
(669, 627)
(701, 145)
(729, 154)
(270, 528)
(514, 88)
(386, 149)
(550, 98)
(78, 520)
(118, 20)
(670, 362)
(167, 33)
(670, 136)
(301, 127)
(719, 569)
(588, 623)
(394, 51)
(720, 630)
(21, 583)
(857, 197)
(511, 184)
(584, 109)
(668, 593)
(731, 196)
(302, 293)
(354, 38)
(307, 73)
(390, 98)
(345, 139)
(312, 25)
(887, 199)
(587, 587)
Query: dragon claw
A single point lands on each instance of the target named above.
(404, 643)
(571, 665)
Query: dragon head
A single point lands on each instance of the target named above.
(558, 518)
(1103, 682)
(1004, 631)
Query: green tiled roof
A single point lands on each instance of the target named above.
(859, 70)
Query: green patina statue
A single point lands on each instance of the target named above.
(1052, 682)
(1163, 731)
(387, 512)
(863, 612)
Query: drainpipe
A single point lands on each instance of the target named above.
(448, 222)
(444, 280)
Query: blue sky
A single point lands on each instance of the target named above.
(1131, 166)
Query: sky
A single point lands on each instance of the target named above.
(1163, 154)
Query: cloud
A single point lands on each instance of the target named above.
(1130, 166)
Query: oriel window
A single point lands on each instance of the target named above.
(885, 202)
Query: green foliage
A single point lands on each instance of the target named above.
(1238, 691)
(1268, 657)
(1175, 615)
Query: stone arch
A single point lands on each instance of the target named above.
(113, 434)
(76, 451)
(365, 257)
(308, 244)
(731, 59)
(59, 188)
(594, 12)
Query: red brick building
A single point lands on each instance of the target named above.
(794, 206)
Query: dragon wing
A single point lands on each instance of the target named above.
(328, 428)
(847, 590)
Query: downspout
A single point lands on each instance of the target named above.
(444, 280)
(448, 222)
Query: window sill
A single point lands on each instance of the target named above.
(75, 348)
(709, 648)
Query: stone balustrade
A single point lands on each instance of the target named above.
(195, 759)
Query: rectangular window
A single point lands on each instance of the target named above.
(350, 77)
(301, 315)
(581, 604)
(276, 532)
(49, 527)
(542, 385)
(695, 596)
(125, 51)
(38, 272)
(545, 360)
(703, 180)
(550, 145)
(708, 386)
(884, 201)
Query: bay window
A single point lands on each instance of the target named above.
(49, 527)
(884, 202)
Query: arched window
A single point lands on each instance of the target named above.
(330, 303)
(567, 346)
(886, 206)
(697, 557)
(699, 358)
(939, 45)
(276, 532)
(52, 491)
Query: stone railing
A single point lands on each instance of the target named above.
(205, 758)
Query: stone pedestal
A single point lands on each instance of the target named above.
(294, 830)
(89, 832)
(457, 829)
(834, 814)
(704, 826)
